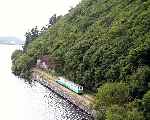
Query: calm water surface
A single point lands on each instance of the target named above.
(20, 101)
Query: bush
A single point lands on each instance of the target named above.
(146, 104)
(116, 112)
(139, 81)
(22, 66)
(112, 93)
(16, 54)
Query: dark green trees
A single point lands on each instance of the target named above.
(116, 112)
(103, 44)
(30, 36)
(52, 20)
(112, 93)
(146, 105)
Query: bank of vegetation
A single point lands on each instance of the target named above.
(104, 45)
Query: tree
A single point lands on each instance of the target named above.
(30, 36)
(52, 20)
(112, 93)
(15, 54)
(146, 104)
(103, 44)
(116, 112)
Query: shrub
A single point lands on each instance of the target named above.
(116, 112)
(112, 93)
(146, 104)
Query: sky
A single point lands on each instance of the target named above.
(19, 16)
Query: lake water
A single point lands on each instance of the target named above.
(21, 101)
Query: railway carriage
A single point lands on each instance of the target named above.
(70, 85)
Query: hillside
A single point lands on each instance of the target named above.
(10, 40)
(102, 44)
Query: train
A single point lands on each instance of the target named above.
(70, 85)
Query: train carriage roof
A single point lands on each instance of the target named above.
(62, 78)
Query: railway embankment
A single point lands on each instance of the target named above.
(83, 101)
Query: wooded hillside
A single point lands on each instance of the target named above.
(102, 44)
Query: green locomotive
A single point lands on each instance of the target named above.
(70, 85)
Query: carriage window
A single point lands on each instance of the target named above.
(80, 88)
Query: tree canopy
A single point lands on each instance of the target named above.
(102, 44)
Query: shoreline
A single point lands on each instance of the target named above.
(79, 101)
(48, 87)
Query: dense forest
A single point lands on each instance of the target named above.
(104, 45)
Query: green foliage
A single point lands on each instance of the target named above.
(146, 105)
(116, 112)
(112, 93)
(30, 36)
(97, 40)
(52, 20)
(16, 54)
(102, 44)
(128, 111)
(21, 66)
(139, 81)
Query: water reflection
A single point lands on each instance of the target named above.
(21, 101)
(57, 108)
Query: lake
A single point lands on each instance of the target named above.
(22, 101)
